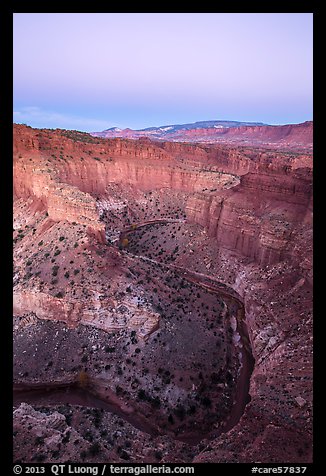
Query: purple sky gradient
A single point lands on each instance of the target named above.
(95, 71)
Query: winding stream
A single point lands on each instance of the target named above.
(73, 394)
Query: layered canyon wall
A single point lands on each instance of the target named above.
(238, 195)
(257, 205)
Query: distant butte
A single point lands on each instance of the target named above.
(163, 296)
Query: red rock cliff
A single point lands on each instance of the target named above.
(258, 206)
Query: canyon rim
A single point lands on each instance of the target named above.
(163, 295)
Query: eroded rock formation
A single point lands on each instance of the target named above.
(248, 219)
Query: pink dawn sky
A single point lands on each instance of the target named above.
(92, 71)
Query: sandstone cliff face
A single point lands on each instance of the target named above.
(46, 306)
(37, 178)
(257, 217)
(256, 205)
(94, 312)
(65, 183)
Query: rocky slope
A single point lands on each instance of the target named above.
(248, 224)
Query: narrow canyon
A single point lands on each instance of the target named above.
(162, 300)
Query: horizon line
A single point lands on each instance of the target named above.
(250, 124)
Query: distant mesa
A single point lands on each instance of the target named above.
(172, 128)
(241, 133)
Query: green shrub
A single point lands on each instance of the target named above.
(94, 449)
(55, 270)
